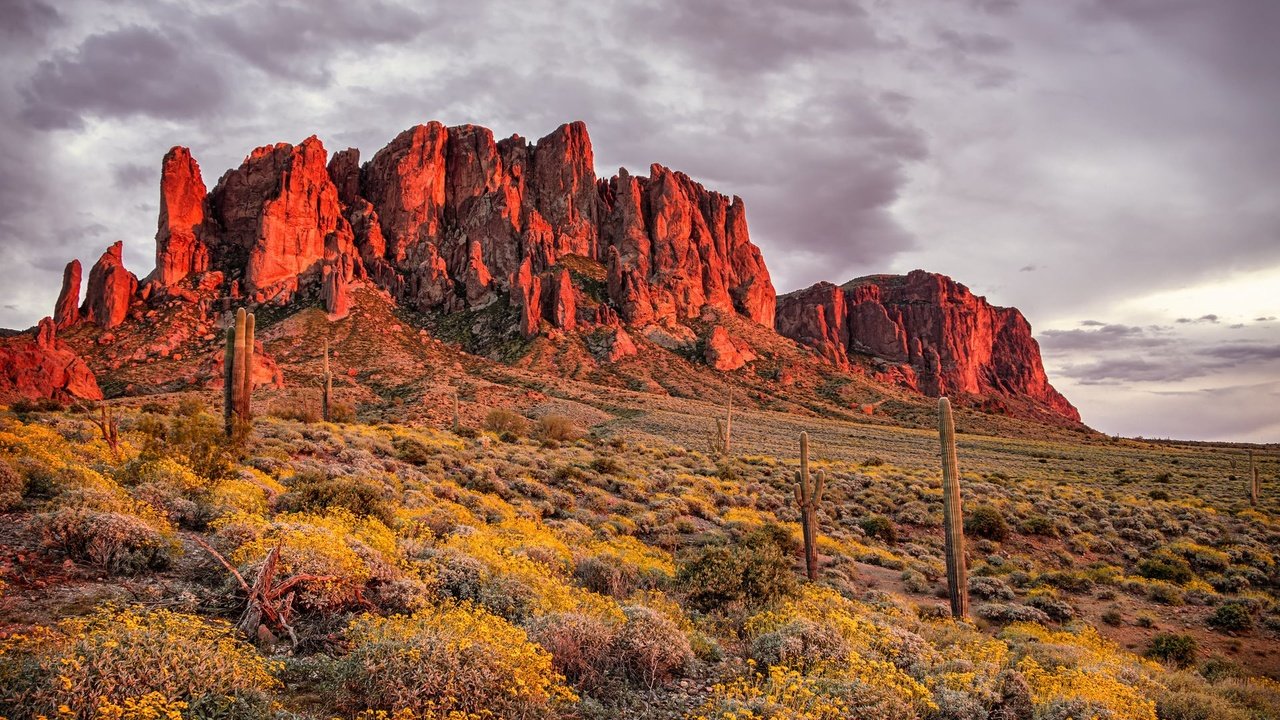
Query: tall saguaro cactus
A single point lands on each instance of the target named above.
(1253, 481)
(326, 387)
(952, 517)
(237, 389)
(721, 442)
(808, 495)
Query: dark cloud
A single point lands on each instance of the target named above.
(131, 174)
(301, 40)
(27, 22)
(1119, 370)
(733, 39)
(1027, 268)
(1211, 318)
(1106, 337)
(131, 72)
(1242, 352)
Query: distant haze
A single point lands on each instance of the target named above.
(1110, 167)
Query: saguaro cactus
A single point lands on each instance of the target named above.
(326, 386)
(457, 412)
(952, 518)
(721, 441)
(238, 373)
(808, 495)
(1253, 481)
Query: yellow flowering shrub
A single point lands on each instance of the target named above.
(152, 706)
(448, 659)
(106, 659)
(1083, 672)
(523, 554)
(619, 565)
(336, 544)
(787, 694)
(869, 653)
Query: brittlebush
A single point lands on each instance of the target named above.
(110, 663)
(449, 659)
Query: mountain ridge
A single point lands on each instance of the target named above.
(521, 240)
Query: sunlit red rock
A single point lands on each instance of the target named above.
(180, 250)
(39, 365)
(277, 211)
(945, 339)
(110, 290)
(67, 311)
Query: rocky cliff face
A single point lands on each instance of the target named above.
(932, 334)
(39, 365)
(448, 219)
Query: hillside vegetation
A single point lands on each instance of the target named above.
(565, 566)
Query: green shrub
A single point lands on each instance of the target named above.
(753, 572)
(1113, 617)
(879, 526)
(316, 491)
(986, 522)
(192, 438)
(414, 451)
(1038, 525)
(450, 659)
(1177, 649)
(1231, 617)
(114, 655)
(1164, 566)
(801, 645)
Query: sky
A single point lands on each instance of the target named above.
(1109, 167)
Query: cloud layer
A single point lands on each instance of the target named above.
(1060, 157)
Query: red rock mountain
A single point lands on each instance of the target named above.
(526, 240)
(448, 219)
(39, 365)
(930, 333)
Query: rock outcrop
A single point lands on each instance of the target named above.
(447, 219)
(940, 338)
(180, 247)
(525, 235)
(67, 312)
(110, 291)
(39, 365)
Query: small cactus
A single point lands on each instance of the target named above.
(237, 408)
(952, 517)
(808, 495)
(1253, 481)
(457, 413)
(326, 387)
(720, 442)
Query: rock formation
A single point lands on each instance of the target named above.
(67, 312)
(39, 365)
(110, 291)
(180, 249)
(943, 339)
(450, 219)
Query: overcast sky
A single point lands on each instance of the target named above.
(1110, 167)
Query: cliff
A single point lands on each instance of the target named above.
(929, 333)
